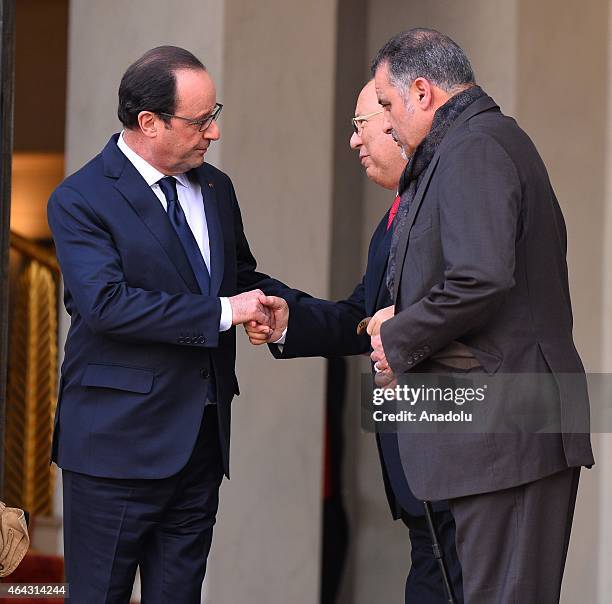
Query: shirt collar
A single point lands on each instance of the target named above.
(144, 168)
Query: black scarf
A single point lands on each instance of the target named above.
(412, 175)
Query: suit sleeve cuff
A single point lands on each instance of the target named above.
(225, 322)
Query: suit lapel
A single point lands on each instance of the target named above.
(377, 269)
(215, 234)
(146, 204)
(402, 244)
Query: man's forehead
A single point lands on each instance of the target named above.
(381, 79)
(367, 101)
(196, 92)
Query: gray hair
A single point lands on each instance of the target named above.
(425, 53)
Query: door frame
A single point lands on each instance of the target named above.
(7, 92)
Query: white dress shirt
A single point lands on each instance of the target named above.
(192, 204)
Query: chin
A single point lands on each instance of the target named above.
(196, 162)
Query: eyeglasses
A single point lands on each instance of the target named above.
(202, 124)
(358, 120)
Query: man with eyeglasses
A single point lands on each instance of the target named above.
(157, 272)
(323, 328)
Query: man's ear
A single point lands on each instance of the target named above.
(148, 123)
(423, 93)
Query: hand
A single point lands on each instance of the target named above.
(263, 334)
(384, 374)
(384, 314)
(248, 307)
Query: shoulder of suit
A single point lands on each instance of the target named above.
(491, 125)
(379, 233)
(88, 176)
(215, 174)
(381, 228)
(492, 122)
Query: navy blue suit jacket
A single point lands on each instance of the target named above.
(323, 328)
(143, 341)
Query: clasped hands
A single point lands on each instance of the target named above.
(264, 317)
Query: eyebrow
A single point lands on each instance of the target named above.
(205, 115)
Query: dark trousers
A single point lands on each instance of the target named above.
(424, 583)
(165, 526)
(513, 543)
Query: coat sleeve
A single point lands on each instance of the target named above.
(325, 328)
(479, 198)
(316, 327)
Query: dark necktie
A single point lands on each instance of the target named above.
(179, 223)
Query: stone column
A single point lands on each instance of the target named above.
(278, 142)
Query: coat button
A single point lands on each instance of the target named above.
(204, 374)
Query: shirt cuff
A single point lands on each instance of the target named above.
(225, 322)
(281, 340)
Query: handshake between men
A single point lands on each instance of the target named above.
(264, 317)
(271, 317)
(254, 307)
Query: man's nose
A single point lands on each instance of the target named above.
(213, 132)
(355, 141)
(387, 128)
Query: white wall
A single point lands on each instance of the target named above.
(603, 521)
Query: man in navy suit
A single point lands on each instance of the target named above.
(157, 272)
(322, 328)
